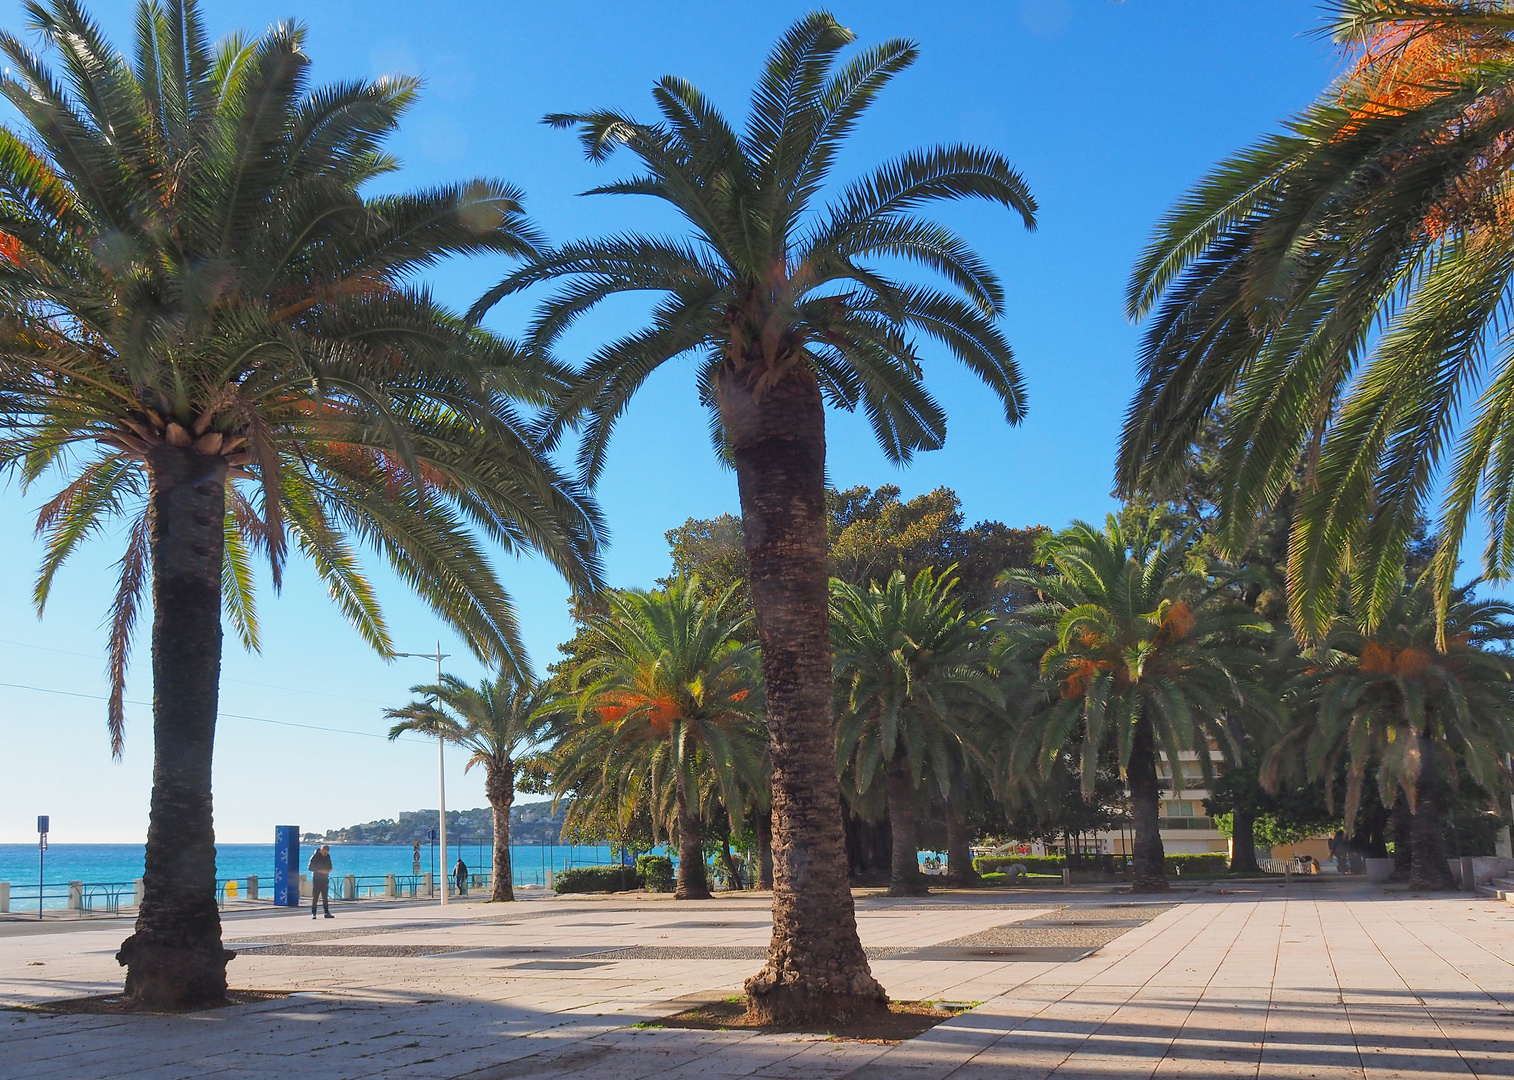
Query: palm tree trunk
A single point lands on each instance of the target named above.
(905, 878)
(1429, 869)
(174, 960)
(960, 871)
(499, 789)
(691, 879)
(1148, 864)
(728, 860)
(816, 968)
(1243, 840)
(764, 849)
(1403, 837)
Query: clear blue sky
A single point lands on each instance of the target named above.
(1109, 109)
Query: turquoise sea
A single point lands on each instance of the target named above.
(101, 863)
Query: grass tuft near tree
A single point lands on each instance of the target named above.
(784, 306)
(212, 336)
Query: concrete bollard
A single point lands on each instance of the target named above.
(349, 887)
(76, 896)
(391, 887)
(5, 896)
(138, 890)
(428, 882)
(551, 880)
(252, 886)
(304, 887)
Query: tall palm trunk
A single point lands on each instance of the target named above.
(1148, 866)
(691, 877)
(1429, 868)
(728, 860)
(764, 849)
(1243, 840)
(816, 967)
(905, 878)
(499, 789)
(174, 960)
(1403, 837)
(960, 871)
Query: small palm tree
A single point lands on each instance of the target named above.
(1138, 653)
(1333, 291)
(212, 334)
(670, 681)
(496, 720)
(1394, 699)
(911, 665)
(784, 308)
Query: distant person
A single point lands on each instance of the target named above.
(320, 880)
(460, 873)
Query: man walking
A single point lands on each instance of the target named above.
(320, 880)
(460, 874)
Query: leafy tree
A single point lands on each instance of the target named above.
(873, 534)
(1137, 653)
(1339, 286)
(211, 334)
(495, 720)
(714, 551)
(1391, 699)
(784, 305)
(909, 662)
(670, 685)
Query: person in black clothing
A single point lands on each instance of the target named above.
(320, 879)
(460, 874)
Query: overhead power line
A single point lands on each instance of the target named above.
(224, 715)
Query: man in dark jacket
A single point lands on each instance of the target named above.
(460, 875)
(320, 879)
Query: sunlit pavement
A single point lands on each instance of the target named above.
(1321, 979)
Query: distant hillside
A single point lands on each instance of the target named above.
(531, 823)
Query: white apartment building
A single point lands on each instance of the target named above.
(1186, 828)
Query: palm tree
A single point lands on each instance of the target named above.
(1137, 653)
(670, 683)
(911, 663)
(1394, 699)
(780, 303)
(209, 331)
(495, 720)
(1337, 288)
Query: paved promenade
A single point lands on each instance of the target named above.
(1328, 980)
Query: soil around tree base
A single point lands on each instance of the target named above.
(121, 1005)
(902, 1020)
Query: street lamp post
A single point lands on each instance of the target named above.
(441, 762)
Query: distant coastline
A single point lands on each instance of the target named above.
(531, 824)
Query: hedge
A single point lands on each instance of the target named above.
(655, 872)
(1212, 862)
(1034, 864)
(584, 879)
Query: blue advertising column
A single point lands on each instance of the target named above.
(286, 866)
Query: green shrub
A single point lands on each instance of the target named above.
(1034, 864)
(655, 872)
(993, 877)
(1213, 862)
(584, 879)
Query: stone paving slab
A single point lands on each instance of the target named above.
(1337, 980)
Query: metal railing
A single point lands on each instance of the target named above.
(1185, 823)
